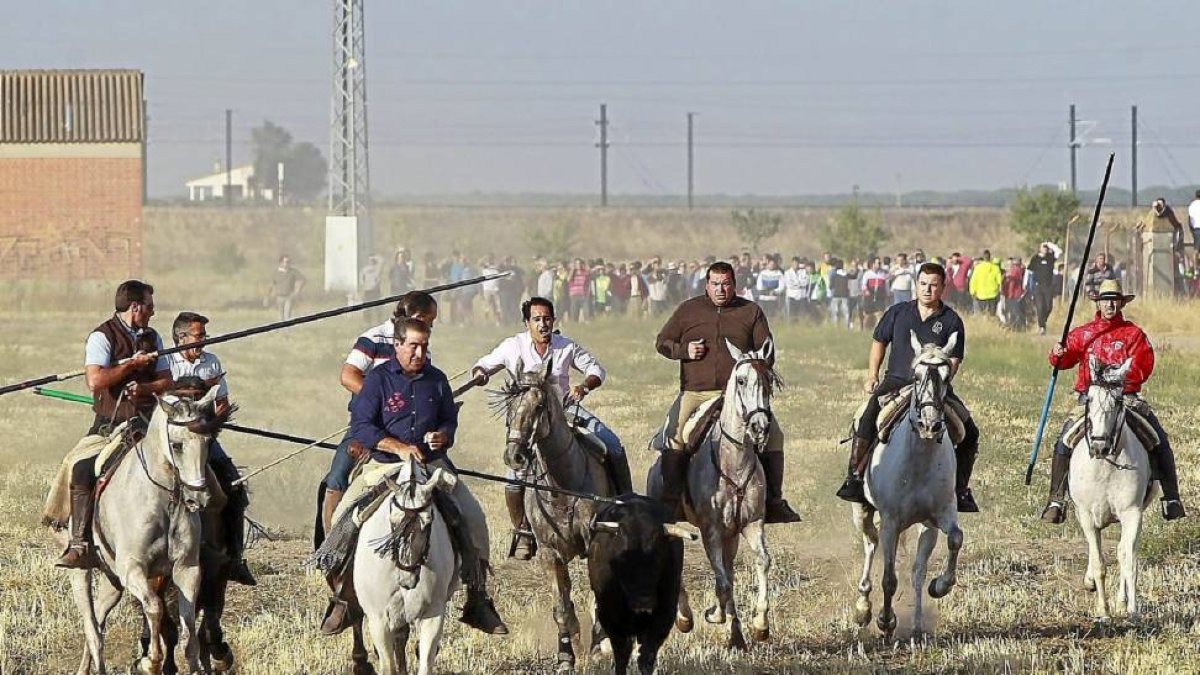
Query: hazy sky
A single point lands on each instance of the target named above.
(791, 97)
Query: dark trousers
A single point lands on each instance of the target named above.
(1043, 299)
(868, 430)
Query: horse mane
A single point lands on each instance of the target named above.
(770, 378)
(191, 388)
(501, 400)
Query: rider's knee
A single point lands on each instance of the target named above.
(83, 474)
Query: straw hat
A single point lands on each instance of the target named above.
(1110, 289)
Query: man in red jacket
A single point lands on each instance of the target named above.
(1112, 339)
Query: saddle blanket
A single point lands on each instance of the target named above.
(695, 428)
(365, 477)
(1138, 424)
(893, 406)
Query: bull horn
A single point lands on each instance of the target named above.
(606, 526)
(673, 530)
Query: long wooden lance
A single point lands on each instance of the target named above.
(266, 328)
(1087, 251)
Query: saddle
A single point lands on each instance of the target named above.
(1134, 420)
(894, 405)
(695, 429)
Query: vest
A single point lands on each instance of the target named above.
(123, 347)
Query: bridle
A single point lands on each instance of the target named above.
(747, 415)
(929, 392)
(1114, 428)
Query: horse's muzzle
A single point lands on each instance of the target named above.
(516, 456)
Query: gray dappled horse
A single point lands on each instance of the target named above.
(542, 445)
(725, 491)
(911, 482)
(147, 531)
(1110, 483)
(406, 570)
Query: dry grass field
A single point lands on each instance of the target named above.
(1019, 606)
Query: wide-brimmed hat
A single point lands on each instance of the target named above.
(1110, 289)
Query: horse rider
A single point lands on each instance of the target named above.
(695, 336)
(124, 373)
(372, 348)
(934, 322)
(405, 410)
(531, 348)
(189, 328)
(1112, 339)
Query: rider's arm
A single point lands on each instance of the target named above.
(1142, 367)
(366, 418)
(954, 364)
(1073, 353)
(447, 414)
(669, 342)
(583, 361)
(495, 361)
(351, 378)
(760, 333)
(875, 360)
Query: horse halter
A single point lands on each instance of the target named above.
(931, 383)
(764, 409)
(1112, 432)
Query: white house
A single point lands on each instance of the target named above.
(240, 180)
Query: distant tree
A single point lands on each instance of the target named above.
(1041, 215)
(755, 226)
(303, 165)
(853, 233)
(555, 242)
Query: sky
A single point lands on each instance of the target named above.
(790, 98)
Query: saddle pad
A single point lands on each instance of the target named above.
(1137, 423)
(893, 406)
(57, 511)
(115, 442)
(695, 429)
(366, 477)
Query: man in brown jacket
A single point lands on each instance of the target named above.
(695, 336)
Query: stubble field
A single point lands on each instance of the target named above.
(1019, 606)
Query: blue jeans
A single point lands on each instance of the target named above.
(338, 477)
(216, 452)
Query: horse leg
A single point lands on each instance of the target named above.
(385, 646)
(1131, 530)
(715, 614)
(600, 641)
(187, 585)
(890, 539)
(429, 642)
(564, 615)
(684, 619)
(939, 587)
(1093, 580)
(91, 609)
(213, 601)
(755, 534)
(864, 522)
(926, 540)
(728, 552)
(152, 611)
(358, 653)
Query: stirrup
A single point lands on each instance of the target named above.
(523, 545)
(1172, 509)
(852, 490)
(1055, 512)
(966, 501)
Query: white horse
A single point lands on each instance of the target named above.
(911, 482)
(406, 570)
(1110, 483)
(147, 531)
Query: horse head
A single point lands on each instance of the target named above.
(931, 378)
(528, 401)
(1105, 408)
(750, 388)
(191, 423)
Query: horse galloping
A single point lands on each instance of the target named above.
(910, 481)
(1110, 483)
(726, 495)
(147, 531)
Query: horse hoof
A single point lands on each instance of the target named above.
(144, 666)
(221, 658)
(886, 626)
(737, 641)
(684, 624)
(714, 615)
(602, 647)
(938, 591)
(363, 668)
(760, 634)
(565, 668)
(1089, 585)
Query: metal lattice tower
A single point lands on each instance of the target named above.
(349, 183)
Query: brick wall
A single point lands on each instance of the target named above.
(76, 217)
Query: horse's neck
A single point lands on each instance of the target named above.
(736, 455)
(565, 460)
(144, 470)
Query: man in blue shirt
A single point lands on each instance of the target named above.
(406, 409)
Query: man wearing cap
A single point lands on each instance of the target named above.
(1112, 339)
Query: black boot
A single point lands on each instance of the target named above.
(1056, 508)
(618, 467)
(523, 546)
(79, 554)
(478, 612)
(964, 464)
(860, 456)
(673, 466)
(778, 510)
(234, 523)
(1162, 465)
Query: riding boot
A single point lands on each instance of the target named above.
(778, 510)
(1162, 466)
(80, 554)
(332, 499)
(523, 545)
(860, 457)
(343, 610)
(674, 465)
(479, 612)
(233, 518)
(618, 468)
(1055, 512)
(964, 461)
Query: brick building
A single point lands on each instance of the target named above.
(71, 174)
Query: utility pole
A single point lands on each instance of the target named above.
(1074, 147)
(228, 158)
(690, 166)
(145, 144)
(1133, 199)
(603, 145)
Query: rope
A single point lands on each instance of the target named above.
(288, 456)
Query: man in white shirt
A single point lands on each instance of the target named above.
(901, 275)
(191, 327)
(1194, 220)
(797, 287)
(530, 349)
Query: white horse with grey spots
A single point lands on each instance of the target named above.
(910, 482)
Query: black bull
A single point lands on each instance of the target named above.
(635, 570)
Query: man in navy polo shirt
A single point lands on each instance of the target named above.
(934, 322)
(406, 409)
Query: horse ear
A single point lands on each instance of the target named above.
(167, 403)
(520, 368)
(736, 353)
(549, 365)
(916, 344)
(951, 343)
(1093, 366)
(209, 398)
(1119, 374)
(767, 350)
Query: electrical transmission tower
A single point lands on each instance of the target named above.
(348, 237)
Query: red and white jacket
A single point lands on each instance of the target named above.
(1111, 341)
